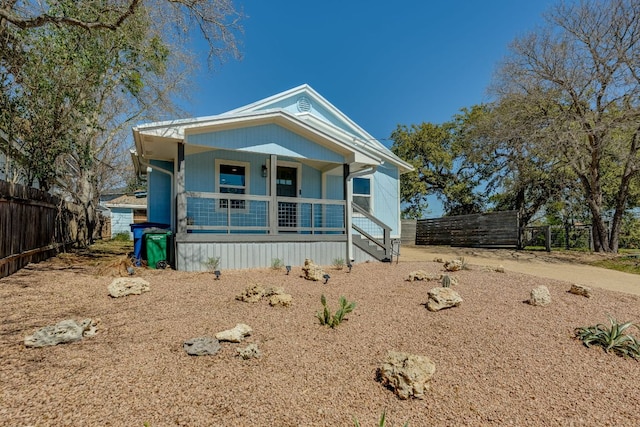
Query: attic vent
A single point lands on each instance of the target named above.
(304, 105)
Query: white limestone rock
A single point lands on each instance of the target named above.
(581, 290)
(283, 300)
(441, 298)
(540, 296)
(249, 352)
(237, 334)
(312, 271)
(65, 331)
(423, 275)
(123, 286)
(453, 265)
(408, 375)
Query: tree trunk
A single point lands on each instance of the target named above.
(523, 218)
(86, 200)
(600, 232)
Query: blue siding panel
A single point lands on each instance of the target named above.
(267, 139)
(311, 185)
(291, 106)
(200, 170)
(335, 187)
(386, 199)
(159, 194)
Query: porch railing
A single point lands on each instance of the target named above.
(240, 213)
(373, 236)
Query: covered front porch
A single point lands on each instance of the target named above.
(250, 230)
(286, 178)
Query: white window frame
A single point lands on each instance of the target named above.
(370, 195)
(247, 180)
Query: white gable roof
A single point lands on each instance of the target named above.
(301, 107)
(307, 104)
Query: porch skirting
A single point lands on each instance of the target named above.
(259, 251)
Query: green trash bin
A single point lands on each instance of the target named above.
(156, 244)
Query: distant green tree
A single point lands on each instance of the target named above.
(434, 152)
(514, 173)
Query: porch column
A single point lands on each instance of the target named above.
(346, 170)
(273, 192)
(181, 197)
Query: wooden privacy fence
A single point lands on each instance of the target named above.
(34, 226)
(486, 230)
(408, 232)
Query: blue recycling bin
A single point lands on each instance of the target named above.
(138, 231)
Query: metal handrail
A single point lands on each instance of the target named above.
(316, 205)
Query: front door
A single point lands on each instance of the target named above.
(287, 186)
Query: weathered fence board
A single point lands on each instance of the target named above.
(34, 226)
(408, 232)
(486, 230)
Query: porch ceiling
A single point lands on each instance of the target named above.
(156, 147)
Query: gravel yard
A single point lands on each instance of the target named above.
(499, 361)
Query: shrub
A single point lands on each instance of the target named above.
(123, 236)
(212, 263)
(464, 264)
(612, 339)
(338, 263)
(277, 264)
(332, 320)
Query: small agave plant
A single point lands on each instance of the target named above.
(612, 338)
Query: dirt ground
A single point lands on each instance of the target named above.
(566, 266)
(499, 361)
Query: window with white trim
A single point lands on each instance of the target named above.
(362, 193)
(232, 178)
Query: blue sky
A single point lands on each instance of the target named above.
(381, 63)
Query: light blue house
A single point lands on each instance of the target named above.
(288, 177)
(124, 211)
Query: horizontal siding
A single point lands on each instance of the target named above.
(267, 139)
(290, 105)
(386, 197)
(121, 220)
(159, 194)
(193, 256)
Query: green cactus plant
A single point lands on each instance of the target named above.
(332, 320)
(446, 281)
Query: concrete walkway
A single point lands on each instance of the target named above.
(557, 269)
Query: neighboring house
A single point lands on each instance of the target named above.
(126, 210)
(288, 177)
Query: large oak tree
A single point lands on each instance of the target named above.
(578, 79)
(75, 75)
